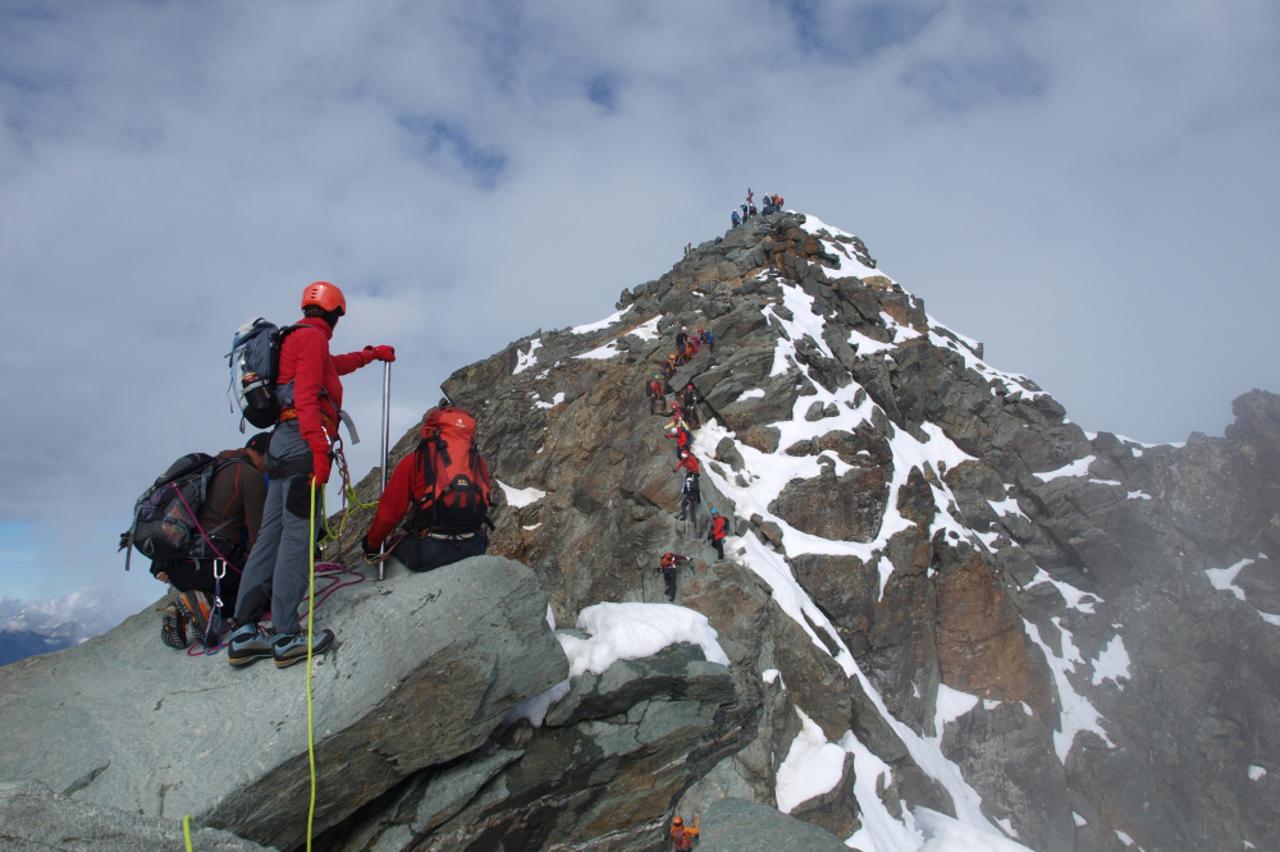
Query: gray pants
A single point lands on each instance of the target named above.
(280, 560)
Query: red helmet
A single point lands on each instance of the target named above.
(327, 297)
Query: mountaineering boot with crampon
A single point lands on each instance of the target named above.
(248, 644)
(290, 648)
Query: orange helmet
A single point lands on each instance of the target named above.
(677, 821)
(327, 297)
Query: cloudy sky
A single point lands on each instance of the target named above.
(1090, 188)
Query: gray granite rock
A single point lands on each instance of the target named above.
(425, 668)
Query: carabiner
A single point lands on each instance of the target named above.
(219, 569)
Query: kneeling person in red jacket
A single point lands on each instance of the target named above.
(443, 489)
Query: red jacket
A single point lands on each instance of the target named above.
(317, 393)
(405, 487)
(405, 490)
(717, 531)
(689, 463)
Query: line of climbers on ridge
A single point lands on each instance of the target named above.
(684, 419)
(257, 507)
(772, 204)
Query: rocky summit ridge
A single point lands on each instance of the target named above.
(947, 611)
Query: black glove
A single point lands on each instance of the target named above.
(370, 553)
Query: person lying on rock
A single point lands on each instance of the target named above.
(441, 491)
(668, 565)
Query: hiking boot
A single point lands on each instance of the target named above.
(290, 648)
(248, 644)
(173, 628)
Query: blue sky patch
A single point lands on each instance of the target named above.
(441, 138)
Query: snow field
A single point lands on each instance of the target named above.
(1077, 714)
(766, 475)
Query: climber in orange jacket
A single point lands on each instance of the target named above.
(683, 836)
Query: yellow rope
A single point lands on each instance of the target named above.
(311, 725)
(186, 831)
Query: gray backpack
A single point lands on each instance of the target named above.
(255, 365)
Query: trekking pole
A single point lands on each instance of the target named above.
(386, 437)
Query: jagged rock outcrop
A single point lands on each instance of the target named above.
(944, 604)
(426, 669)
(946, 567)
(601, 773)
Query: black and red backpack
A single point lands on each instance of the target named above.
(457, 493)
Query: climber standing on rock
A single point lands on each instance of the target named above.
(683, 836)
(689, 405)
(690, 497)
(298, 459)
(667, 565)
(657, 395)
(681, 435)
(717, 531)
(446, 484)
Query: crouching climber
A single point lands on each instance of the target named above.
(667, 565)
(441, 491)
(718, 530)
(209, 578)
(298, 461)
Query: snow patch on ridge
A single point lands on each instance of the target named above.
(630, 631)
(601, 353)
(1079, 467)
(601, 325)
(1074, 598)
(1077, 713)
(525, 360)
(520, 497)
(813, 766)
(1112, 663)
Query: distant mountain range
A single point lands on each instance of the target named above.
(44, 626)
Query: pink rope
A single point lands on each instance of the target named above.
(203, 534)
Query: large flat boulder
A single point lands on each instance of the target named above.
(735, 824)
(425, 668)
(33, 817)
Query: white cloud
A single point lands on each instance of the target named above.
(168, 171)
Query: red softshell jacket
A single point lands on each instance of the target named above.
(689, 463)
(717, 531)
(405, 489)
(317, 392)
